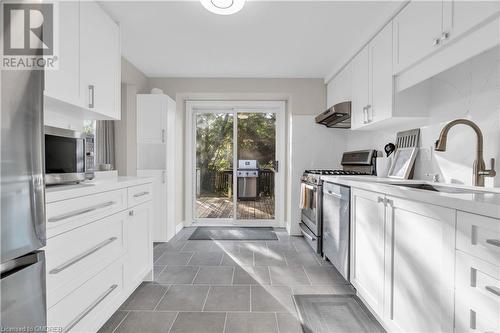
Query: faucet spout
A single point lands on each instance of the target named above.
(479, 168)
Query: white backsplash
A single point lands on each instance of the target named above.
(470, 90)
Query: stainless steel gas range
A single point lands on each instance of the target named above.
(313, 208)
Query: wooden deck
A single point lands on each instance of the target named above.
(216, 207)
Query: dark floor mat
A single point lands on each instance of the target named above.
(335, 313)
(234, 233)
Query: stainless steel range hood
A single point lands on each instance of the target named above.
(338, 116)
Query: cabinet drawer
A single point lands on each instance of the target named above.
(480, 236)
(68, 214)
(477, 295)
(88, 307)
(139, 194)
(75, 256)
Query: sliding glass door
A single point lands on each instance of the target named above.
(235, 165)
(256, 146)
(214, 165)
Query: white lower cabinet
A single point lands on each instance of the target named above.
(420, 250)
(88, 307)
(477, 295)
(93, 247)
(402, 262)
(139, 258)
(368, 229)
(98, 253)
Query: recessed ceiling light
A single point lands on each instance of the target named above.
(223, 7)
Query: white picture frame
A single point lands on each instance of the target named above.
(403, 161)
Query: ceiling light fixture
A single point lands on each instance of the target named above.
(223, 7)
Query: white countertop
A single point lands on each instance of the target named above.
(487, 203)
(64, 192)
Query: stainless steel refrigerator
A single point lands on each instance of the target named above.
(23, 299)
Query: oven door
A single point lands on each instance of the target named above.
(311, 217)
(64, 156)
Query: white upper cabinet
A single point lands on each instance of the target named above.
(423, 28)
(151, 118)
(360, 89)
(461, 16)
(381, 79)
(64, 83)
(339, 88)
(417, 29)
(372, 82)
(100, 60)
(87, 82)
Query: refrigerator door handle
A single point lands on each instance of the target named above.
(15, 264)
(37, 197)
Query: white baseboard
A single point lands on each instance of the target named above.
(179, 227)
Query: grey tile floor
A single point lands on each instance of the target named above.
(226, 287)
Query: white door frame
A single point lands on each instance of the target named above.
(192, 107)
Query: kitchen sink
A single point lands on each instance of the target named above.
(439, 188)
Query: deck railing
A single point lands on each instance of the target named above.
(220, 182)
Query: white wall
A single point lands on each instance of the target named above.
(470, 90)
(303, 97)
(133, 82)
(312, 146)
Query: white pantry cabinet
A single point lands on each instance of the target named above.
(87, 83)
(155, 151)
(368, 245)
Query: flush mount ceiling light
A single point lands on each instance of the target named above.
(223, 7)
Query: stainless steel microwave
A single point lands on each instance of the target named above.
(68, 159)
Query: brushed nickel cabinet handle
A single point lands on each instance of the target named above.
(89, 308)
(444, 36)
(494, 290)
(81, 211)
(494, 242)
(137, 195)
(365, 115)
(82, 256)
(91, 96)
(163, 136)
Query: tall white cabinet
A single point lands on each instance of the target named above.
(155, 149)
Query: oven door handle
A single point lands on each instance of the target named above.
(306, 234)
(310, 187)
(333, 194)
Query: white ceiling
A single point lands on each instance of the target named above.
(266, 39)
